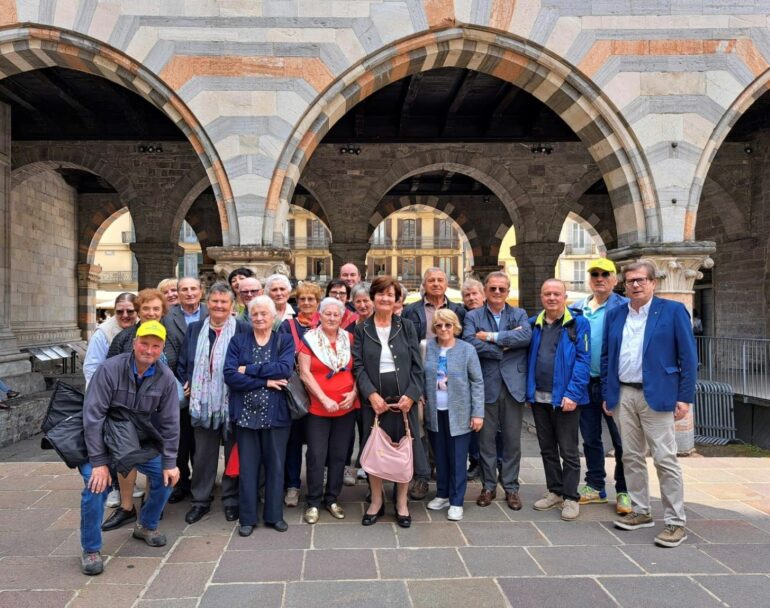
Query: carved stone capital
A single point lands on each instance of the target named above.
(88, 276)
(262, 260)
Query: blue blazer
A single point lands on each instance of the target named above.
(415, 312)
(505, 360)
(669, 359)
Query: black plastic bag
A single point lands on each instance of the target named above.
(63, 425)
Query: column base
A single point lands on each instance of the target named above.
(264, 261)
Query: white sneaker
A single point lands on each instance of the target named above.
(292, 497)
(455, 514)
(570, 510)
(438, 503)
(113, 499)
(549, 501)
(361, 474)
(138, 492)
(349, 476)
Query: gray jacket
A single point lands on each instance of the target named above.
(176, 326)
(505, 360)
(465, 388)
(113, 389)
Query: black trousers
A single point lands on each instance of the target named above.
(327, 445)
(557, 434)
(185, 455)
(256, 448)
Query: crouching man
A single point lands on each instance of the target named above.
(131, 419)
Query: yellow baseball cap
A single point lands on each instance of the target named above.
(151, 328)
(602, 264)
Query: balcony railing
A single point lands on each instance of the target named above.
(586, 249)
(743, 363)
(575, 285)
(382, 243)
(313, 242)
(119, 276)
(428, 242)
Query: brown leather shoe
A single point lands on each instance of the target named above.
(513, 500)
(486, 497)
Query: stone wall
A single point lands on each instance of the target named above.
(43, 260)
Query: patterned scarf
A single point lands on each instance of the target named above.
(209, 393)
(335, 360)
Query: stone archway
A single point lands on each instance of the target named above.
(580, 103)
(31, 47)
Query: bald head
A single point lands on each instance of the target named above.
(249, 289)
(349, 274)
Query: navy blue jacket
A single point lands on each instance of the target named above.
(415, 312)
(669, 356)
(572, 362)
(186, 364)
(281, 367)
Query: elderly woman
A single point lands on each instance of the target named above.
(169, 289)
(454, 408)
(338, 289)
(150, 306)
(326, 370)
(278, 288)
(257, 368)
(388, 369)
(362, 302)
(99, 345)
(201, 370)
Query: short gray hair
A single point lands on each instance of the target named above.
(329, 301)
(430, 271)
(196, 279)
(262, 301)
(277, 278)
(497, 274)
(360, 288)
(220, 287)
(469, 284)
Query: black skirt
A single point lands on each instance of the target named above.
(391, 422)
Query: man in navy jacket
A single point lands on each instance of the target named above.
(649, 367)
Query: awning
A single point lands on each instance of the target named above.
(106, 299)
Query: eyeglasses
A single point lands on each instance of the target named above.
(337, 294)
(640, 282)
(595, 274)
(125, 313)
(248, 292)
(498, 289)
(443, 326)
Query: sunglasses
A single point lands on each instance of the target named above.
(248, 292)
(443, 326)
(595, 274)
(125, 313)
(498, 289)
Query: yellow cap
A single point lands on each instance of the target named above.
(602, 264)
(151, 328)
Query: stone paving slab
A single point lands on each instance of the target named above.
(494, 557)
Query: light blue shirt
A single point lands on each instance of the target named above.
(596, 319)
(193, 316)
(95, 354)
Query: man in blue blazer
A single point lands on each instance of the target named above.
(500, 334)
(649, 367)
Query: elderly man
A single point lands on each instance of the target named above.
(278, 289)
(501, 334)
(473, 294)
(129, 395)
(558, 371)
(234, 280)
(649, 367)
(602, 280)
(189, 310)
(249, 288)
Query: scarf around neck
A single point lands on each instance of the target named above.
(336, 360)
(209, 394)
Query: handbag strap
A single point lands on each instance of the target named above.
(406, 420)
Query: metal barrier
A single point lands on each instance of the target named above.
(714, 413)
(743, 363)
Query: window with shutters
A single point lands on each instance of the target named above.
(408, 268)
(444, 234)
(316, 234)
(409, 233)
(445, 263)
(578, 275)
(379, 238)
(580, 238)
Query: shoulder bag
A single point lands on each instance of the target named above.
(296, 395)
(383, 458)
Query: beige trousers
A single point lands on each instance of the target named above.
(641, 426)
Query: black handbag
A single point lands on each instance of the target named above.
(63, 425)
(296, 397)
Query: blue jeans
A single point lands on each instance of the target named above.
(92, 505)
(451, 454)
(591, 415)
(291, 477)
(4, 388)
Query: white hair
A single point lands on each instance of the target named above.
(277, 278)
(326, 302)
(262, 301)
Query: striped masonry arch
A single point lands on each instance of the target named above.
(29, 47)
(560, 86)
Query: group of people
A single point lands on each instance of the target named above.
(189, 376)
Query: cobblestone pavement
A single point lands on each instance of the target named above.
(494, 557)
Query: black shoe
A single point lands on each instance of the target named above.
(177, 495)
(405, 521)
(370, 520)
(196, 514)
(12, 395)
(119, 518)
(245, 530)
(279, 526)
(231, 513)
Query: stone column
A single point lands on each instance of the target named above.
(480, 271)
(678, 265)
(536, 262)
(343, 253)
(88, 283)
(264, 261)
(156, 261)
(12, 362)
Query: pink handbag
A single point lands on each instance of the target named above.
(385, 459)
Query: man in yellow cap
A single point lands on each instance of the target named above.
(602, 280)
(130, 419)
